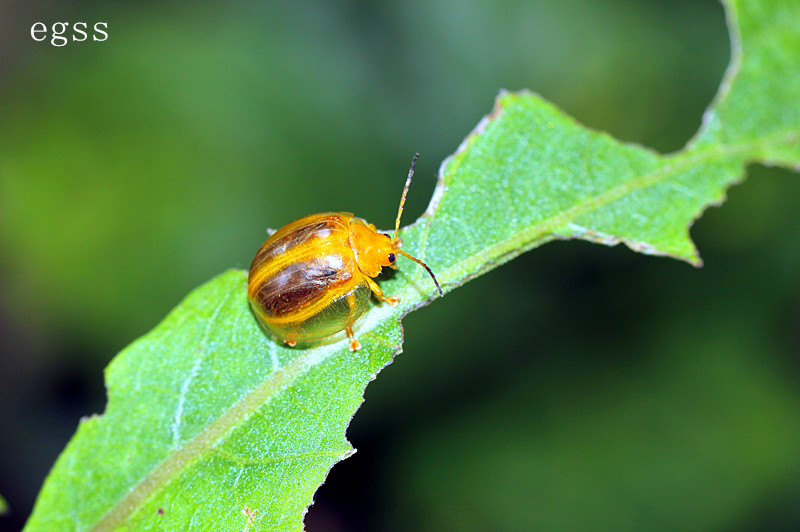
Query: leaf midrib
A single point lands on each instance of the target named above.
(204, 443)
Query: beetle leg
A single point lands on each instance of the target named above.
(393, 301)
(354, 345)
(290, 343)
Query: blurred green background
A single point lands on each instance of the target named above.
(577, 388)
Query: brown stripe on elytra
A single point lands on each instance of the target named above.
(295, 237)
(298, 285)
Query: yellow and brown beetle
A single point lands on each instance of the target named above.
(313, 277)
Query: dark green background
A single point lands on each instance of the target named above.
(577, 388)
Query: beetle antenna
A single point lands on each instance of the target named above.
(403, 201)
(397, 226)
(415, 259)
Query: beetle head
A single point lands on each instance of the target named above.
(373, 250)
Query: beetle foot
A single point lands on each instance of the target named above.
(354, 345)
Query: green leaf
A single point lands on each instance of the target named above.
(209, 420)
(3, 506)
(205, 417)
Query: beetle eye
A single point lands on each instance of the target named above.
(392, 257)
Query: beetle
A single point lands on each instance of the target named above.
(313, 277)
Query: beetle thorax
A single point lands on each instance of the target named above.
(371, 248)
